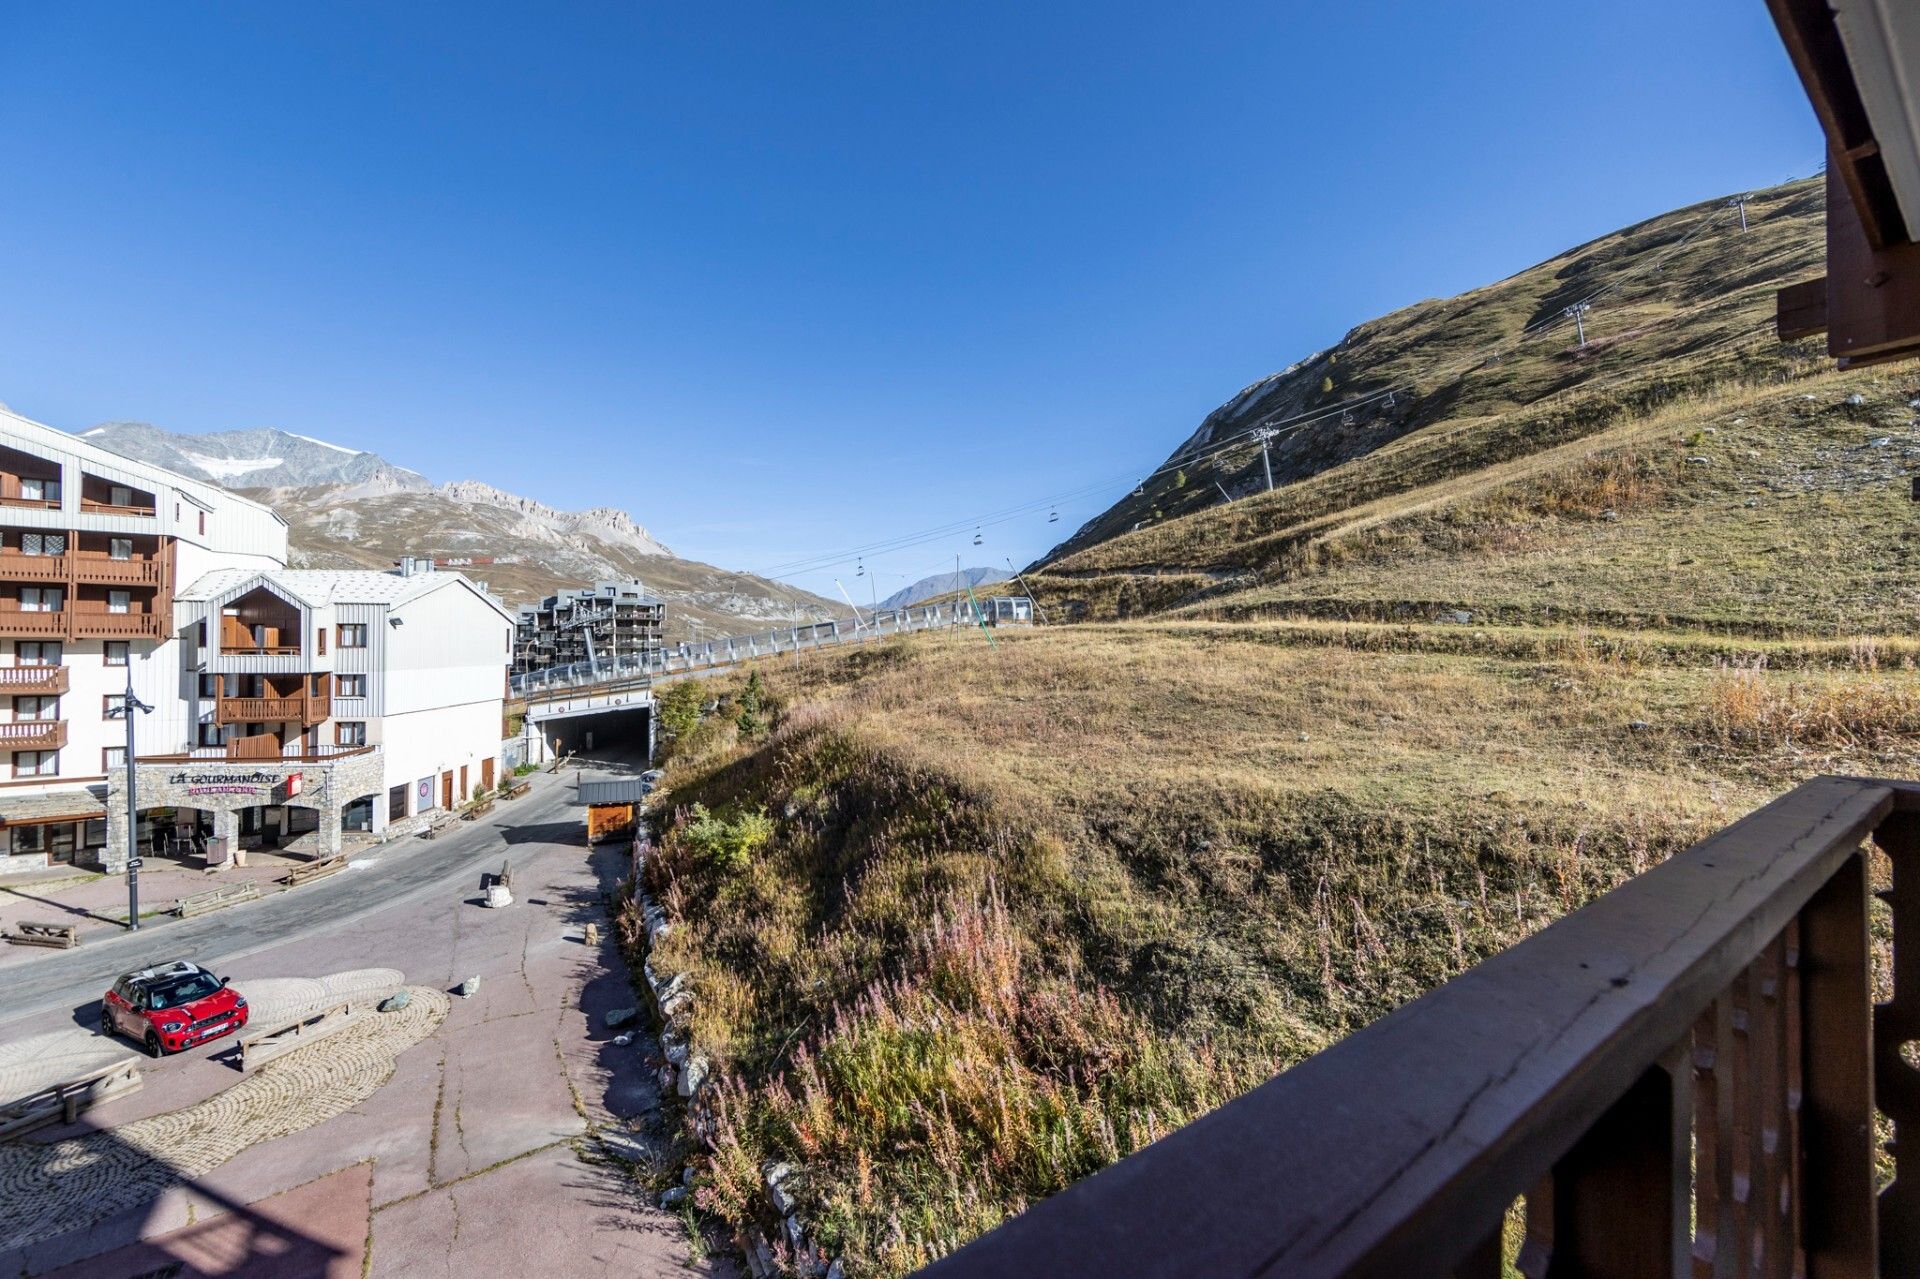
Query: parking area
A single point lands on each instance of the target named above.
(454, 1138)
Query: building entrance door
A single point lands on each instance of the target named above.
(463, 784)
(446, 789)
(486, 774)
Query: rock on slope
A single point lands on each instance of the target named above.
(347, 508)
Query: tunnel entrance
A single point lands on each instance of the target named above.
(622, 733)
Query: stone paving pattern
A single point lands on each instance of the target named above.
(51, 1189)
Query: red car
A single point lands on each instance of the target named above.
(173, 1006)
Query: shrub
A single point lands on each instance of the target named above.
(678, 706)
(726, 845)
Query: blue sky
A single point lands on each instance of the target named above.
(782, 279)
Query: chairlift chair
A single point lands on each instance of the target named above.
(1053, 517)
(977, 539)
(1346, 418)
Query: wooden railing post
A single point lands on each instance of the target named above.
(1837, 1107)
(1617, 1206)
(1895, 1024)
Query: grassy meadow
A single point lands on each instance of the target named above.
(1022, 908)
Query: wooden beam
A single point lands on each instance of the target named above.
(1819, 56)
(1873, 294)
(1801, 310)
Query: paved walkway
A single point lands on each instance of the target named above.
(471, 1158)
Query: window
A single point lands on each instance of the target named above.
(41, 599)
(351, 685)
(350, 732)
(29, 840)
(119, 601)
(112, 757)
(35, 764)
(36, 653)
(119, 548)
(95, 833)
(116, 651)
(207, 735)
(43, 543)
(320, 635)
(203, 521)
(397, 802)
(37, 490)
(209, 687)
(36, 708)
(110, 705)
(353, 635)
(119, 495)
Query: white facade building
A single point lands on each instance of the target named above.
(288, 705)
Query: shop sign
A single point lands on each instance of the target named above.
(224, 783)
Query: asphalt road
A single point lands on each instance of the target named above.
(402, 870)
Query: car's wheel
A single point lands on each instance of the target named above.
(154, 1046)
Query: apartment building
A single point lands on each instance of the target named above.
(607, 619)
(262, 729)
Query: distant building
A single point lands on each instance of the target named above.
(287, 706)
(607, 619)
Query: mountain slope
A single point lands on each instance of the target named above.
(1665, 444)
(348, 508)
(1663, 293)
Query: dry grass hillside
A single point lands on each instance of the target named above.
(1011, 912)
(967, 919)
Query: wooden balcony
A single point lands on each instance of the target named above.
(32, 503)
(16, 622)
(15, 567)
(1682, 1078)
(33, 681)
(89, 624)
(91, 507)
(103, 570)
(33, 735)
(272, 710)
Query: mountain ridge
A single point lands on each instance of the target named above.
(353, 508)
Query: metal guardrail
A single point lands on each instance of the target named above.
(712, 654)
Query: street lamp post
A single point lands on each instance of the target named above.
(129, 704)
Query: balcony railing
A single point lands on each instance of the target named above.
(15, 567)
(104, 570)
(91, 507)
(271, 710)
(1681, 1078)
(33, 681)
(88, 624)
(291, 753)
(30, 623)
(33, 735)
(32, 503)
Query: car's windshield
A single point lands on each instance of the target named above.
(171, 992)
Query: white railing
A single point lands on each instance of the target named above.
(720, 653)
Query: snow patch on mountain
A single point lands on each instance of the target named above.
(226, 468)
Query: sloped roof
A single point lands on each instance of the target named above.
(318, 587)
